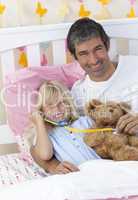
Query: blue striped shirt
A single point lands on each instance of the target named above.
(70, 146)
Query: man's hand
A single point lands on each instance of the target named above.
(128, 124)
(64, 168)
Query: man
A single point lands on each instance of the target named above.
(89, 44)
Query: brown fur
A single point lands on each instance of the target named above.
(119, 146)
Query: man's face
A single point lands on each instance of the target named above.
(93, 57)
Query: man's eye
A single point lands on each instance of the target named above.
(52, 106)
(99, 48)
(83, 54)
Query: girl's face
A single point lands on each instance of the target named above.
(58, 110)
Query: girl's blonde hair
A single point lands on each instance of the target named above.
(50, 93)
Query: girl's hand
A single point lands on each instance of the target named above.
(64, 168)
(128, 124)
(36, 117)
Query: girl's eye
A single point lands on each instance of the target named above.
(65, 103)
(52, 105)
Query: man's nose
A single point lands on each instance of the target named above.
(92, 58)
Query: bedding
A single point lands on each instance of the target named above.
(14, 169)
(97, 179)
(20, 87)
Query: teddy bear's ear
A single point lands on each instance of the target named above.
(125, 107)
(96, 102)
(91, 105)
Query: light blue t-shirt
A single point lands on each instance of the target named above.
(70, 146)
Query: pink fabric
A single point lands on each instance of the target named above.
(14, 170)
(20, 85)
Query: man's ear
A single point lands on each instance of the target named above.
(125, 107)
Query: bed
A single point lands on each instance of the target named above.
(20, 176)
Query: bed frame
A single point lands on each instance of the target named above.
(31, 36)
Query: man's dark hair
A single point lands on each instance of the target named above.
(84, 29)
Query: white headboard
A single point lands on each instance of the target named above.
(31, 36)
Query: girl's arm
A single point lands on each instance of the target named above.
(53, 166)
(43, 146)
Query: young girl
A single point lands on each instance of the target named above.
(55, 103)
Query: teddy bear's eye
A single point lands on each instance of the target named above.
(111, 109)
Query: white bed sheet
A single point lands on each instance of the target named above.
(97, 179)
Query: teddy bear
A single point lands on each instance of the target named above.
(109, 144)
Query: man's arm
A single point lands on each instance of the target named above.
(53, 166)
